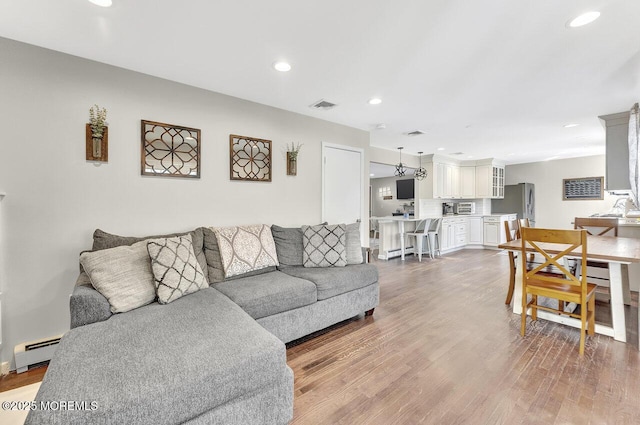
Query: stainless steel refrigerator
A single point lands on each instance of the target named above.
(518, 198)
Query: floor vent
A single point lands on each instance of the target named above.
(323, 104)
(35, 352)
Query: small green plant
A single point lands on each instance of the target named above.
(293, 150)
(97, 121)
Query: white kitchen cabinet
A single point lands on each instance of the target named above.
(493, 226)
(476, 231)
(467, 182)
(490, 180)
(446, 235)
(460, 232)
(454, 233)
(446, 181)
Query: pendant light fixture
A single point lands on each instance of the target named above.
(420, 173)
(400, 170)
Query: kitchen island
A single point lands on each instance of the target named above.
(457, 231)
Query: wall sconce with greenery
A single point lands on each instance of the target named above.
(97, 135)
(292, 159)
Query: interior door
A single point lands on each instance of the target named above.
(342, 185)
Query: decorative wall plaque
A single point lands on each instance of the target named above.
(583, 188)
(170, 150)
(250, 158)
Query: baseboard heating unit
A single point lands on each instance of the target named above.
(34, 352)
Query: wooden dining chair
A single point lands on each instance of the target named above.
(567, 288)
(512, 233)
(421, 233)
(598, 226)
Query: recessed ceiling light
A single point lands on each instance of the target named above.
(570, 125)
(375, 101)
(440, 149)
(381, 126)
(371, 175)
(584, 19)
(102, 3)
(282, 66)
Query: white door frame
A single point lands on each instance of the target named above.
(326, 146)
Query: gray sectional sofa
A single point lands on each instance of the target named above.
(215, 356)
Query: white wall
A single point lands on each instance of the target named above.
(551, 210)
(55, 199)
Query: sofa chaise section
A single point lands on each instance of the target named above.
(199, 359)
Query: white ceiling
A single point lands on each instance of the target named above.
(492, 78)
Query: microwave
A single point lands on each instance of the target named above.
(465, 208)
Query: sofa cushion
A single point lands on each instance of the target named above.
(176, 271)
(334, 281)
(103, 240)
(288, 245)
(215, 270)
(246, 248)
(353, 245)
(162, 363)
(269, 293)
(324, 246)
(122, 274)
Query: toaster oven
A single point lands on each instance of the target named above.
(465, 208)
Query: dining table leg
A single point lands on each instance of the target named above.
(617, 302)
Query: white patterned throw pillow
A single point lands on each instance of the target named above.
(324, 246)
(246, 248)
(176, 271)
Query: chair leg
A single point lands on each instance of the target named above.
(523, 315)
(429, 246)
(583, 326)
(592, 318)
(534, 307)
(512, 283)
(419, 247)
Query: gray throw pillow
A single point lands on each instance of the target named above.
(176, 271)
(288, 245)
(324, 246)
(353, 245)
(122, 274)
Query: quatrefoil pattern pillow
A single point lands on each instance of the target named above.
(324, 246)
(176, 271)
(244, 249)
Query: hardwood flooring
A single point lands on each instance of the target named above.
(442, 348)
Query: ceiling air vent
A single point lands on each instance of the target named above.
(415, 133)
(323, 104)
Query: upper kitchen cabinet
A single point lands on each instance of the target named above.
(452, 179)
(467, 182)
(489, 179)
(617, 157)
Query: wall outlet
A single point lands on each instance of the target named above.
(4, 368)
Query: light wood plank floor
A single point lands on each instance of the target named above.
(442, 348)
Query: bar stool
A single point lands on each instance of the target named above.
(433, 234)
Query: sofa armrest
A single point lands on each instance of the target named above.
(88, 306)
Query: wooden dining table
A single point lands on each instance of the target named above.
(617, 252)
